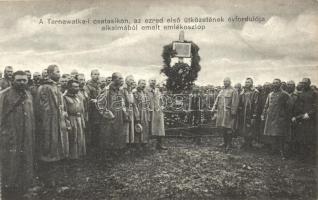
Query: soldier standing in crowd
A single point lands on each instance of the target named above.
(85, 98)
(92, 88)
(44, 76)
(248, 113)
(276, 115)
(17, 137)
(53, 136)
(143, 118)
(30, 81)
(294, 111)
(111, 105)
(307, 103)
(131, 109)
(102, 81)
(75, 114)
(267, 87)
(157, 128)
(108, 80)
(36, 84)
(226, 106)
(73, 74)
(238, 88)
(194, 107)
(63, 83)
(6, 81)
(284, 86)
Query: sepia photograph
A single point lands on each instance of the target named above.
(158, 100)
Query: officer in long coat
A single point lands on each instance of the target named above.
(157, 128)
(111, 105)
(248, 112)
(17, 126)
(277, 117)
(226, 105)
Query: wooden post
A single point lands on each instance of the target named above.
(181, 39)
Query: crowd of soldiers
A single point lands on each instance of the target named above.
(53, 118)
(281, 116)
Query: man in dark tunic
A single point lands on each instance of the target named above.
(306, 138)
(111, 105)
(226, 106)
(248, 112)
(16, 137)
(7, 80)
(92, 88)
(277, 117)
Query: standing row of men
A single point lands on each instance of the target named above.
(40, 121)
(275, 116)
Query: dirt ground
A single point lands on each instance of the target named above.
(185, 171)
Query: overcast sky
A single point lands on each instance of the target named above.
(285, 45)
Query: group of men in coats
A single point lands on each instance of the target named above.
(44, 123)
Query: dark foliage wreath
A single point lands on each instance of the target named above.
(181, 76)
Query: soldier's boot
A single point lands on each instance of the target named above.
(159, 145)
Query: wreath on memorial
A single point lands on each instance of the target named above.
(180, 76)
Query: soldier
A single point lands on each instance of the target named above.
(276, 116)
(248, 112)
(63, 84)
(226, 106)
(102, 83)
(131, 109)
(157, 129)
(238, 88)
(108, 80)
(7, 80)
(262, 100)
(51, 117)
(111, 105)
(143, 118)
(17, 138)
(83, 94)
(75, 114)
(44, 76)
(307, 103)
(92, 88)
(36, 84)
(74, 74)
(194, 107)
(30, 81)
(290, 89)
